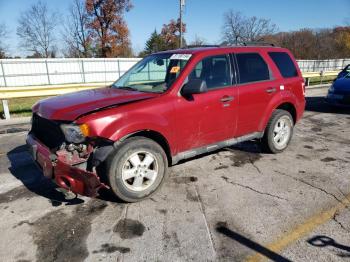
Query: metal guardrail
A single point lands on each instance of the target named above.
(322, 74)
(7, 93)
(53, 90)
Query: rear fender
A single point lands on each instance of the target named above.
(286, 97)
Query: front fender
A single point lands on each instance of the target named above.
(115, 126)
(141, 122)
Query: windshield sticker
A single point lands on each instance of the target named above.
(181, 56)
(175, 69)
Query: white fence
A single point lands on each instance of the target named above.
(323, 65)
(29, 72)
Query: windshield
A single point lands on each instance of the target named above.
(155, 73)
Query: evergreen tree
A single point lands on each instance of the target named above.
(154, 44)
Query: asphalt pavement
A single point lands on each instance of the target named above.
(236, 204)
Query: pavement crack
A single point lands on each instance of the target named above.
(255, 166)
(339, 223)
(345, 196)
(252, 189)
(311, 185)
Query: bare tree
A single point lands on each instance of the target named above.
(257, 28)
(3, 35)
(238, 28)
(36, 29)
(233, 28)
(198, 41)
(76, 33)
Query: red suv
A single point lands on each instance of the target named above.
(170, 106)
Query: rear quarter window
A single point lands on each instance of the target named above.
(284, 63)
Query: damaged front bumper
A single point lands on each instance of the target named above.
(59, 168)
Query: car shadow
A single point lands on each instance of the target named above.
(318, 104)
(325, 241)
(221, 227)
(249, 147)
(106, 194)
(24, 169)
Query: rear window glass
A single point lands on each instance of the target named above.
(284, 64)
(252, 68)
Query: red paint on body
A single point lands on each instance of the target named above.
(113, 114)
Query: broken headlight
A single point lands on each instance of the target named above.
(74, 133)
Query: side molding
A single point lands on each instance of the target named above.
(202, 150)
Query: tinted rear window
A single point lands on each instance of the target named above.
(252, 68)
(284, 64)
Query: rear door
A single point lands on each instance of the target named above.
(209, 117)
(256, 88)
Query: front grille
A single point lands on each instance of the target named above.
(47, 131)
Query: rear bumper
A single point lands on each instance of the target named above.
(63, 174)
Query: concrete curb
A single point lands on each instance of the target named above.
(15, 121)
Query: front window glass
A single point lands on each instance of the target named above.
(155, 73)
(214, 70)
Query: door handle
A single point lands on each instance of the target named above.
(226, 99)
(271, 90)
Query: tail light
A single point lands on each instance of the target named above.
(303, 87)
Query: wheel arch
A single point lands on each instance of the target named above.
(156, 137)
(285, 104)
(289, 107)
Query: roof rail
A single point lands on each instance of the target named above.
(199, 46)
(229, 45)
(258, 44)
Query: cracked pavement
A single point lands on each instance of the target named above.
(224, 206)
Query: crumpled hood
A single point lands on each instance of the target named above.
(70, 106)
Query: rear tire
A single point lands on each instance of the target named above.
(136, 169)
(278, 132)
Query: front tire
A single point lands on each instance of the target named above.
(278, 132)
(136, 169)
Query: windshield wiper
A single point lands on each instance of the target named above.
(126, 88)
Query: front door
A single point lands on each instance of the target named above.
(209, 117)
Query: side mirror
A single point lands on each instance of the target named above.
(194, 86)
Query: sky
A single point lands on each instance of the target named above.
(204, 18)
